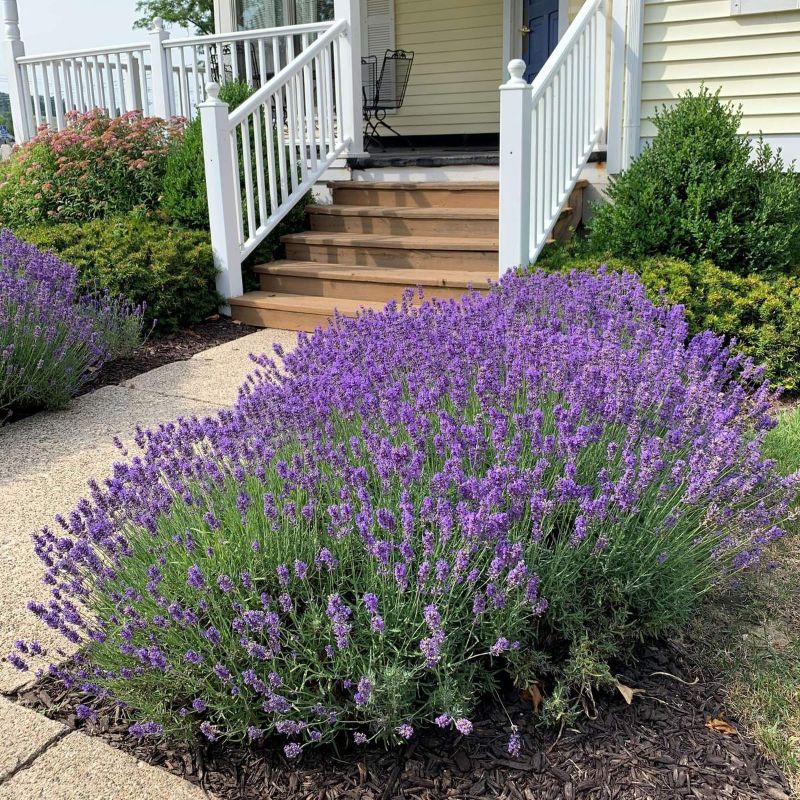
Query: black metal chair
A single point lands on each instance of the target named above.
(385, 92)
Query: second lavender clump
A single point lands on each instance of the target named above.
(52, 337)
(526, 482)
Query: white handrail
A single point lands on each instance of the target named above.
(252, 33)
(91, 51)
(548, 130)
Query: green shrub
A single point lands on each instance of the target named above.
(184, 198)
(762, 314)
(699, 192)
(94, 167)
(169, 269)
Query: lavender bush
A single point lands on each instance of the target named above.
(413, 503)
(52, 337)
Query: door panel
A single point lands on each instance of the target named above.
(540, 17)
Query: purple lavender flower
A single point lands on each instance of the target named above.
(195, 577)
(292, 750)
(463, 726)
(82, 711)
(405, 730)
(514, 745)
(359, 738)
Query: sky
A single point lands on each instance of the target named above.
(49, 26)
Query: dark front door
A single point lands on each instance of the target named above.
(539, 33)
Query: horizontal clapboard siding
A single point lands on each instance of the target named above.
(752, 59)
(458, 53)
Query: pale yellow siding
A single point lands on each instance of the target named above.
(458, 54)
(755, 59)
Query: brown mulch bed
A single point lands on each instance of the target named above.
(161, 350)
(156, 352)
(658, 748)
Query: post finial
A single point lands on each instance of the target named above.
(516, 69)
(212, 90)
(10, 21)
(158, 24)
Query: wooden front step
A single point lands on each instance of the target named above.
(470, 223)
(291, 312)
(379, 284)
(377, 240)
(421, 194)
(400, 252)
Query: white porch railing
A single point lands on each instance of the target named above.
(162, 76)
(548, 130)
(262, 158)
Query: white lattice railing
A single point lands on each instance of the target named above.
(161, 76)
(548, 130)
(262, 158)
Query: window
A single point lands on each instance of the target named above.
(763, 6)
(274, 13)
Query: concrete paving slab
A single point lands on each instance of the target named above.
(259, 342)
(32, 445)
(215, 375)
(24, 734)
(82, 768)
(21, 582)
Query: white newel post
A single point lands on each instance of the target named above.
(515, 168)
(13, 48)
(222, 187)
(162, 70)
(350, 114)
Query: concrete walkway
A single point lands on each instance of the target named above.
(45, 461)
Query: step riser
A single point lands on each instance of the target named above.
(404, 226)
(398, 258)
(282, 320)
(419, 198)
(355, 290)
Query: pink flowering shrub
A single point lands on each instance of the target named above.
(96, 166)
(418, 502)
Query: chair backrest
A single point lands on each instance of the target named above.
(393, 80)
(369, 81)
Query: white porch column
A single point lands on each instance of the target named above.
(515, 168)
(222, 188)
(161, 65)
(13, 48)
(350, 53)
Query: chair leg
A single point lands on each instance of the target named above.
(396, 133)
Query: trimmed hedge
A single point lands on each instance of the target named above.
(762, 314)
(170, 269)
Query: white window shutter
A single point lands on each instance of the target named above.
(379, 25)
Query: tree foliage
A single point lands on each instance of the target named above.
(198, 14)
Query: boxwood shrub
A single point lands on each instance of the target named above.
(412, 504)
(702, 192)
(169, 269)
(761, 314)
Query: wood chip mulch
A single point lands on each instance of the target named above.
(160, 350)
(658, 748)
